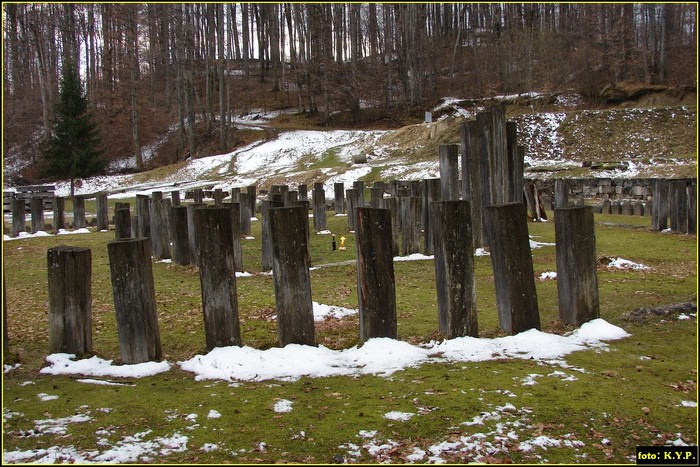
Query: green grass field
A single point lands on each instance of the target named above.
(606, 403)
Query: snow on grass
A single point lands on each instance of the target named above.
(398, 416)
(321, 311)
(63, 364)
(283, 406)
(621, 263)
(548, 276)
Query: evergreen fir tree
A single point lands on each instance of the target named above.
(73, 150)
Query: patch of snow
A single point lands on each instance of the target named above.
(283, 406)
(398, 416)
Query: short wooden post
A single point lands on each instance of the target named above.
(180, 234)
(79, 212)
(660, 205)
(410, 227)
(122, 223)
(561, 193)
(19, 216)
(246, 214)
(59, 216)
(376, 289)
(70, 300)
(266, 244)
(191, 231)
(175, 197)
(454, 268)
(511, 257)
(217, 273)
(431, 193)
(236, 195)
(339, 192)
(102, 211)
(291, 278)
(577, 278)
(198, 196)
(678, 203)
(134, 300)
(376, 197)
(319, 207)
(37, 208)
(218, 196)
(449, 171)
(303, 193)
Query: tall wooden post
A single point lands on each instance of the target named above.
(59, 216)
(454, 268)
(175, 197)
(376, 289)
(290, 271)
(143, 212)
(303, 193)
(660, 205)
(102, 211)
(577, 278)
(217, 273)
(431, 193)
(678, 214)
(134, 300)
(37, 208)
(449, 171)
(339, 192)
(514, 277)
(692, 208)
(471, 179)
(561, 194)
(376, 197)
(246, 213)
(393, 206)
(79, 212)
(180, 234)
(70, 300)
(266, 244)
(122, 223)
(191, 231)
(19, 216)
(319, 200)
(351, 200)
(236, 234)
(410, 224)
(252, 197)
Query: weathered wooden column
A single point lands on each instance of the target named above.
(449, 171)
(59, 216)
(660, 205)
(514, 277)
(577, 278)
(246, 214)
(290, 197)
(561, 193)
(198, 196)
(454, 268)
(236, 195)
(122, 223)
(625, 207)
(351, 199)
(102, 211)
(291, 278)
(143, 212)
(692, 208)
(638, 208)
(37, 208)
(607, 207)
(393, 206)
(217, 274)
(191, 231)
(134, 300)
(70, 300)
(319, 200)
(305, 226)
(19, 216)
(431, 193)
(218, 196)
(253, 197)
(156, 223)
(339, 192)
(410, 224)
(266, 244)
(376, 289)
(303, 193)
(79, 212)
(376, 197)
(471, 179)
(180, 234)
(175, 197)
(678, 213)
(235, 209)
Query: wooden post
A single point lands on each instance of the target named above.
(692, 208)
(339, 192)
(235, 209)
(37, 208)
(454, 268)
(134, 226)
(305, 226)
(471, 179)
(319, 200)
(607, 207)
(577, 278)
(191, 231)
(252, 196)
(217, 274)
(660, 205)
(431, 193)
(156, 221)
(218, 196)
(449, 171)
(19, 219)
(59, 217)
(70, 300)
(376, 197)
(561, 194)
(511, 257)
(79, 212)
(175, 197)
(102, 211)
(180, 234)
(246, 214)
(122, 223)
(392, 205)
(266, 245)
(5, 337)
(678, 214)
(303, 193)
(410, 229)
(638, 208)
(134, 300)
(236, 195)
(198, 196)
(625, 207)
(143, 209)
(376, 289)
(351, 205)
(290, 271)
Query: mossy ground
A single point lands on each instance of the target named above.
(625, 396)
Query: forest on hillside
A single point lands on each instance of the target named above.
(150, 68)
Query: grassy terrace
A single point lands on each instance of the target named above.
(628, 396)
